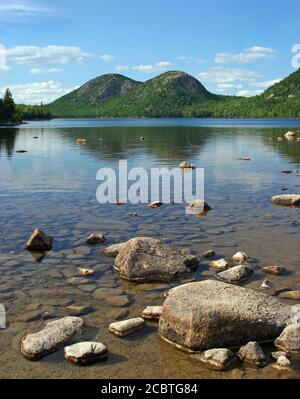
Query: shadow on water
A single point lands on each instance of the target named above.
(7, 141)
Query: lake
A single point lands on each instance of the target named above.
(53, 186)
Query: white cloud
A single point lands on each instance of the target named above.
(18, 10)
(185, 59)
(159, 66)
(249, 55)
(228, 75)
(200, 61)
(226, 86)
(107, 57)
(53, 54)
(37, 92)
(249, 93)
(122, 68)
(43, 71)
(265, 84)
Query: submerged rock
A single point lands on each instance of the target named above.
(290, 295)
(289, 339)
(209, 253)
(80, 141)
(286, 199)
(39, 241)
(252, 354)
(126, 327)
(94, 239)
(54, 334)
(245, 159)
(85, 352)
(86, 272)
(212, 314)
(276, 270)
(240, 257)
(286, 171)
(113, 250)
(155, 204)
(146, 259)
(152, 312)
(217, 359)
(198, 207)
(220, 264)
(235, 274)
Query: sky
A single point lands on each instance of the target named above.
(236, 47)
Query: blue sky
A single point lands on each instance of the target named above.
(231, 46)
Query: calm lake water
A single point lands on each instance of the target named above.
(53, 186)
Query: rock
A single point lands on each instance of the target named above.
(290, 134)
(278, 354)
(125, 327)
(133, 214)
(81, 141)
(276, 270)
(283, 362)
(240, 257)
(94, 239)
(118, 301)
(245, 159)
(235, 274)
(39, 242)
(291, 295)
(252, 354)
(220, 359)
(84, 353)
(119, 203)
(29, 316)
(78, 310)
(104, 292)
(155, 204)
(186, 165)
(267, 284)
(113, 250)
(279, 138)
(54, 334)
(86, 272)
(78, 280)
(145, 259)
(286, 171)
(286, 199)
(220, 264)
(198, 207)
(152, 312)
(289, 339)
(211, 314)
(21, 151)
(209, 254)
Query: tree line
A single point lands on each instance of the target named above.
(10, 112)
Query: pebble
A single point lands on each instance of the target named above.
(126, 327)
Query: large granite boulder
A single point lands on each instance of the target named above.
(54, 334)
(145, 259)
(212, 314)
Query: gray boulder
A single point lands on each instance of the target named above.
(252, 354)
(84, 353)
(146, 259)
(212, 314)
(54, 334)
(235, 274)
(216, 359)
(289, 340)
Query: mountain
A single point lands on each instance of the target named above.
(174, 94)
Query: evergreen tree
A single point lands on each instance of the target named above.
(9, 105)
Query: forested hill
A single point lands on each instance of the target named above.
(174, 94)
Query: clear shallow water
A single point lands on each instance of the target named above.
(53, 186)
